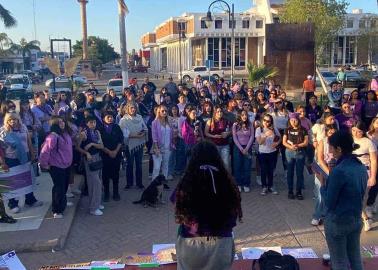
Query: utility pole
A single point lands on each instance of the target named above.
(122, 10)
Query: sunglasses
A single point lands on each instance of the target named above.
(266, 120)
(163, 110)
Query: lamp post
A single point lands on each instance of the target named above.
(181, 36)
(231, 19)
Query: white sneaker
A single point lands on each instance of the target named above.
(69, 194)
(97, 212)
(315, 222)
(273, 191)
(70, 204)
(15, 210)
(369, 211)
(258, 180)
(367, 225)
(240, 188)
(263, 192)
(247, 189)
(101, 207)
(56, 215)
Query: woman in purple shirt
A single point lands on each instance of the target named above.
(56, 156)
(243, 134)
(346, 118)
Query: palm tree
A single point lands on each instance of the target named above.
(25, 48)
(7, 18)
(5, 42)
(256, 74)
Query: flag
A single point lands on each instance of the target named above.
(123, 7)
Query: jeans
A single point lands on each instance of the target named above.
(29, 198)
(267, 165)
(135, 156)
(161, 163)
(242, 167)
(224, 151)
(343, 240)
(295, 160)
(180, 156)
(319, 210)
(60, 178)
(94, 182)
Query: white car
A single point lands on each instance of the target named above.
(203, 71)
(115, 84)
(76, 78)
(19, 86)
(60, 85)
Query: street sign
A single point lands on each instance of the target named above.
(209, 63)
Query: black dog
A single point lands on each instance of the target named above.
(153, 193)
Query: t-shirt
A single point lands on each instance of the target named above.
(295, 136)
(267, 146)
(217, 128)
(280, 120)
(366, 146)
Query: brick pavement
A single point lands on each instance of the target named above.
(126, 228)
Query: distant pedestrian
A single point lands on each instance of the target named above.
(3, 92)
(308, 88)
(341, 77)
(172, 89)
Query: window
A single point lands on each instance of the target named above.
(239, 52)
(203, 24)
(230, 24)
(350, 49)
(259, 24)
(374, 24)
(362, 23)
(338, 53)
(218, 24)
(182, 26)
(349, 24)
(245, 23)
(213, 50)
(198, 69)
(226, 52)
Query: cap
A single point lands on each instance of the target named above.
(294, 115)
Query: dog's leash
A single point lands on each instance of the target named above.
(210, 168)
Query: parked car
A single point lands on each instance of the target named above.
(19, 86)
(139, 68)
(76, 78)
(203, 71)
(328, 77)
(355, 80)
(60, 85)
(115, 84)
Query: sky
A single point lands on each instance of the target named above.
(61, 18)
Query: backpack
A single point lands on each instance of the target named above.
(272, 260)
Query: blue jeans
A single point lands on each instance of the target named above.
(295, 160)
(343, 240)
(267, 163)
(242, 167)
(29, 198)
(137, 157)
(224, 151)
(319, 210)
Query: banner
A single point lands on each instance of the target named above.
(17, 182)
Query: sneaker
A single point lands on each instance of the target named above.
(97, 212)
(315, 222)
(290, 196)
(70, 195)
(15, 210)
(367, 224)
(247, 189)
(56, 215)
(369, 211)
(101, 207)
(35, 204)
(70, 204)
(76, 191)
(273, 191)
(299, 196)
(170, 177)
(240, 188)
(258, 180)
(264, 191)
(7, 219)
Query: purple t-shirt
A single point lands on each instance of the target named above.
(345, 122)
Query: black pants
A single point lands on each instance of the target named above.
(373, 191)
(60, 178)
(267, 166)
(110, 170)
(308, 95)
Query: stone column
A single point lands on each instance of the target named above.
(83, 4)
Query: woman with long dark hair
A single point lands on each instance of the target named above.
(243, 135)
(62, 103)
(370, 107)
(191, 131)
(208, 205)
(56, 156)
(343, 192)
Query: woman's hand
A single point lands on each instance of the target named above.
(371, 182)
(89, 156)
(5, 167)
(320, 178)
(157, 151)
(268, 133)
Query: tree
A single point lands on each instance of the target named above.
(5, 42)
(99, 51)
(326, 15)
(25, 48)
(256, 74)
(7, 18)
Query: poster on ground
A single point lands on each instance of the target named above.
(17, 182)
(10, 261)
(253, 253)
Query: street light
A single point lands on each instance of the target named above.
(181, 36)
(231, 18)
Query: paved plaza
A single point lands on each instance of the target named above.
(126, 228)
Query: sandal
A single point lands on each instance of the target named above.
(7, 219)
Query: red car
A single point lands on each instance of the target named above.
(139, 69)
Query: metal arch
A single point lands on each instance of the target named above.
(224, 2)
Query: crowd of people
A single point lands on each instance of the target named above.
(97, 136)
